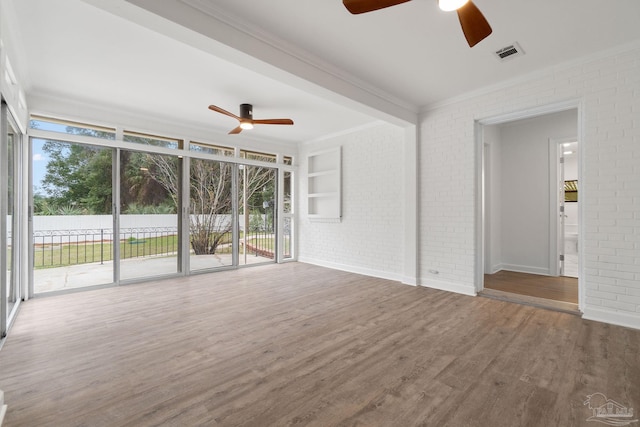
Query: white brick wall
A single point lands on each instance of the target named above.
(608, 88)
(369, 237)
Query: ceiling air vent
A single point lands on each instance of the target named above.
(509, 52)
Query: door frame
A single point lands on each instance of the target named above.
(4, 303)
(480, 215)
(7, 122)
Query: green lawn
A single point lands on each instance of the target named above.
(51, 256)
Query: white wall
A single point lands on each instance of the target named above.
(12, 68)
(369, 238)
(525, 174)
(607, 88)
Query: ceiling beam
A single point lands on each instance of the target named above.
(202, 27)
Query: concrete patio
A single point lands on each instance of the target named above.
(92, 274)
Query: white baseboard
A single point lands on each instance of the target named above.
(448, 286)
(526, 269)
(496, 268)
(629, 320)
(409, 281)
(358, 270)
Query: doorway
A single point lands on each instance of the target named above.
(522, 206)
(564, 206)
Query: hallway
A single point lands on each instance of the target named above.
(560, 288)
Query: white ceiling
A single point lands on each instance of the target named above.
(312, 61)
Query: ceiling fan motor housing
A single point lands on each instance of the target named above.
(246, 111)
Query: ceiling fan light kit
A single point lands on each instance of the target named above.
(246, 120)
(451, 5)
(474, 25)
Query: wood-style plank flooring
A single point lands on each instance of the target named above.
(296, 344)
(548, 287)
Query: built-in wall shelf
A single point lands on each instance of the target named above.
(333, 194)
(324, 184)
(323, 173)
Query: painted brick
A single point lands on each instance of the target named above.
(369, 236)
(609, 88)
(620, 290)
(601, 295)
(630, 299)
(619, 305)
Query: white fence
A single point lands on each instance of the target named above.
(64, 227)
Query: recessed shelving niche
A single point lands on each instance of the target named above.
(324, 184)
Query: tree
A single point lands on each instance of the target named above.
(210, 195)
(260, 187)
(210, 209)
(76, 176)
(142, 185)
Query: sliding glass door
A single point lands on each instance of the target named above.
(10, 150)
(149, 243)
(211, 226)
(108, 210)
(13, 292)
(72, 225)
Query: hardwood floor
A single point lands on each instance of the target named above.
(296, 344)
(555, 288)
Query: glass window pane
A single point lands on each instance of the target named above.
(149, 195)
(72, 221)
(211, 149)
(257, 214)
(71, 128)
(287, 237)
(287, 192)
(12, 291)
(158, 141)
(254, 155)
(211, 214)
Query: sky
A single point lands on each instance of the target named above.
(39, 161)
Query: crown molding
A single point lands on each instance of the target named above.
(258, 33)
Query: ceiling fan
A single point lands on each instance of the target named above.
(246, 120)
(474, 25)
